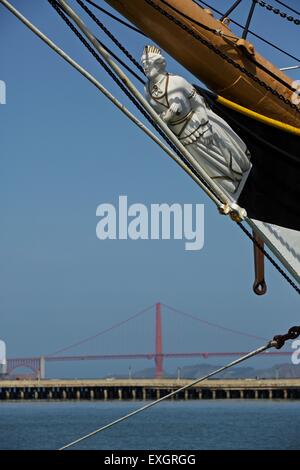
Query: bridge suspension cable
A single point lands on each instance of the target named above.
(215, 325)
(102, 332)
(140, 313)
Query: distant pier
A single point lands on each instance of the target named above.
(147, 389)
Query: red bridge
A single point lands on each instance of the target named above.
(37, 364)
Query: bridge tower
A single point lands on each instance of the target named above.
(158, 343)
(42, 369)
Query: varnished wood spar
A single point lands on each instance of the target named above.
(205, 64)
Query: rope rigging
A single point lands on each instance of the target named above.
(270, 8)
(288, 7)
(121, 62)
(249, 58)
(116, 18)
(213, 9)
(123, 49)
(157, 128)
(119, 45)
(128, 25)
(111, 36)
(56, 6)
(107, 94)
(249, 30)
(224, 56)
(278, 340)
(193, 174)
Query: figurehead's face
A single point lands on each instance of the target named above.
(153, 63)
(152, 67)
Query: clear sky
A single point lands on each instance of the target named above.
(64, 150)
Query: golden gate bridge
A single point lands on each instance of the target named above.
(158, 355)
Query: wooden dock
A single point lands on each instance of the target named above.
(150, 389)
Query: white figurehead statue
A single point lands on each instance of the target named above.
(208, 138)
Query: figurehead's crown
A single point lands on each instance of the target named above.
(151, 52)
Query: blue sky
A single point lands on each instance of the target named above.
(64, 150)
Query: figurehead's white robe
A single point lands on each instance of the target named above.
(226, 159)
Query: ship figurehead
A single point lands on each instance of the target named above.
(208, 138)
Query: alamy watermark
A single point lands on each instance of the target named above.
(156, 222)
(296, 353)
(2, 92)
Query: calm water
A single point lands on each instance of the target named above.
(181, 425)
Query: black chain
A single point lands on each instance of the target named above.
(277, 11)
(56, 6)
(279, 340)
(224, 56)
(111, 36)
